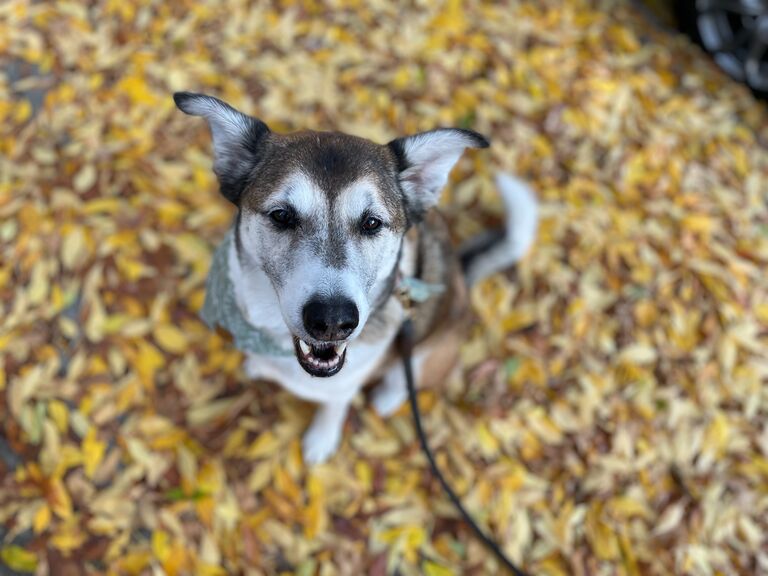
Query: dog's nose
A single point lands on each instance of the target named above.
(330, 319)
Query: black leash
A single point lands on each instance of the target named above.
(405, 343)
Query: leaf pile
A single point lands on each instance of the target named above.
(610, 414)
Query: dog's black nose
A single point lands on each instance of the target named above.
(330, 319)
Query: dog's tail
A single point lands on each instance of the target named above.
(499, 249)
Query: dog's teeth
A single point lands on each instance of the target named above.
(304, 347)
(340, 348)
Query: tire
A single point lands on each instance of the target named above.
(728, 36)
(685, 16)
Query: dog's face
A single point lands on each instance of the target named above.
(323, 215)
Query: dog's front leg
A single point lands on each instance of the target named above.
(322, 437)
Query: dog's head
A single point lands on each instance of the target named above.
(323, 214)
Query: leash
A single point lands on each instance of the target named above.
(405, 343)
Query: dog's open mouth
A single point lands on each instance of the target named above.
(321, 360)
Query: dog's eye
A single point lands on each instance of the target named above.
(370, 225)
(283, 218)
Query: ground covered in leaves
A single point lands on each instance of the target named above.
(610, 413)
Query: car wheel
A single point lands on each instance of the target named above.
(734, 32)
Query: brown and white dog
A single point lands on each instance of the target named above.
(328, 226)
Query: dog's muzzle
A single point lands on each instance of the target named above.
(328, 322)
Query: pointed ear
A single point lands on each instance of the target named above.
(238, 140)
(425, 160)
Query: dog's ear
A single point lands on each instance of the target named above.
(425, 160)
(238, 139)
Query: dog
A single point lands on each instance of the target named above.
(334, 241)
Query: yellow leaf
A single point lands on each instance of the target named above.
(170, 439)
(364, 474)
(85, 178)
(41, 519)
(286, 486)
(234, 442)
(130, 268)
(210, 570)
(645, 313)
(170, 338)
(628, 555)
(39, 283)
(600, 536)
(210, 411)
(50, 455)
(194, 250)
(57, 298)
(434, 569)
(638, 354)
(93, 452)
(68, 536)
(148, 360)
(489, 445)
(452, 20)
(315, 514)
(717, 435)
(109, 205)
(137, 90)
(128, 394)
(414, 538)
(23, 111)
(670, 519)
(519, 319)
(16, 558)
(266, 444)
(175, 564)
(161, 545)
(700, 223)
(135, 562)
(187, 465)
(761, 311)
(94, 325)
(73, 248)
(260, 476)
(59, 499)
(153, 464)
(626, 507)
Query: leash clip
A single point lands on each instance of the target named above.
(411, 291)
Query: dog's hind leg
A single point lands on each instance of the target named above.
(392, 392)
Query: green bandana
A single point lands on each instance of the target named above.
(221, 308)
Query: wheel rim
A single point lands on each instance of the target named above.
(736, 33)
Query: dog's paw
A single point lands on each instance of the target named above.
(388, 397)
(320, 442)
